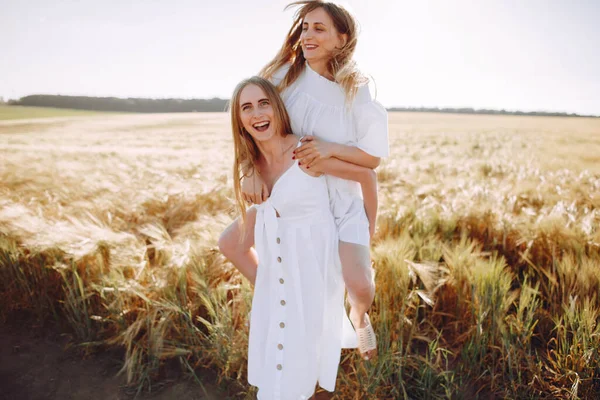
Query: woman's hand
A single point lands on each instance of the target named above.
(313, 150)
(315, 171)
(254, 190)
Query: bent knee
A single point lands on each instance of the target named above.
(362, 285)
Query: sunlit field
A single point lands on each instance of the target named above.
(487, 252)
(21, 112)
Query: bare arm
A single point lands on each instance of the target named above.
(240, 252)
(363, 175)
(314, 150)
(355, 155)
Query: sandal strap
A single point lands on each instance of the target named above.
(366, 338)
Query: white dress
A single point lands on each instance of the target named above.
(317, 106)
(298, 322)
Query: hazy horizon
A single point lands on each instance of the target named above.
(532, 56)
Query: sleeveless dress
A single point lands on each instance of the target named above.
(317, 107)
(298, 322)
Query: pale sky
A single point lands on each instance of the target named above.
(526, 55)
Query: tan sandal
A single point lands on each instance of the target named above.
(366, 339)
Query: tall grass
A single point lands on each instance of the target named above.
(487, 253)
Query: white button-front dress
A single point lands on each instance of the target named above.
(317, 106)
(298, 322)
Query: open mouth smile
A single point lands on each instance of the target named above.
(261, 126)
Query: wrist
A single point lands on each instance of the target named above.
(317, 168)
(335, 150)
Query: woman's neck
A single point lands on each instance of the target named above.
(272, 150)
(321, 68)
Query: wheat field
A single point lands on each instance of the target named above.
(11, 112)
(487, 251)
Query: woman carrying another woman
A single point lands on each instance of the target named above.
(330, 102)
(298, 305)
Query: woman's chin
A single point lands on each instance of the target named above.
(310, 56)
(263, 136)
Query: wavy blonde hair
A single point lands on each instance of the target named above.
(245, 149)
(341, 65)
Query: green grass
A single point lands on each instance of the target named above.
(22, 112)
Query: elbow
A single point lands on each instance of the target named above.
(230, 242)
(367, 159)
(225, 245)
(222, 243)
(374, 162)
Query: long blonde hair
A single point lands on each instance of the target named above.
(341, 65)
(245, 149)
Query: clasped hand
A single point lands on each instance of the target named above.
(254, 189)
(309, 154)
(312, 151)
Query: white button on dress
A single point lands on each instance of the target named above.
(298, 316)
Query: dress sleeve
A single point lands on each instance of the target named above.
(371, 124)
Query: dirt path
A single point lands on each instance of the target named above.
(36, 366)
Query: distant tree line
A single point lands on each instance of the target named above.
(468, 110)
(137, 105)
(141, 105)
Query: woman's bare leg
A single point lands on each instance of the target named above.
(240, 252)
(359, 280)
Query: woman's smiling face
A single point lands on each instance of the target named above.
(256, 113)
(319, 37)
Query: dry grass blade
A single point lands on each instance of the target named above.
(487, 250)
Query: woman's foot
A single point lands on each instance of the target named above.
(367, 342)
